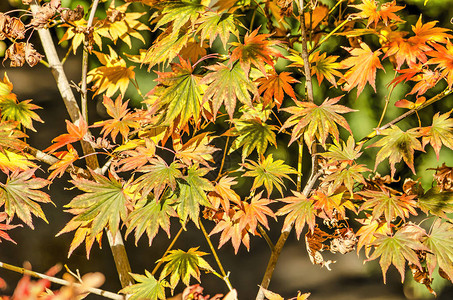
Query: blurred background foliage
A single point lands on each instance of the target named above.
(369, 105)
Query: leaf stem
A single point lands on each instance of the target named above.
(216, 257)
(266, 237)
(166, 251)
(60, 281)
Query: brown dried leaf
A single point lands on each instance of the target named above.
(32, 57)
(72, 15)
(16, 53)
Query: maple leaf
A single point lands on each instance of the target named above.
(428, 32)
(158, 175)
(440, 245)
(180, 12)
(181, 265)
(102, 204)
(121, 25)
(20, 196)
(254, 212)
(6, 226)
(193, 193)
(164, 49)
(179, 94)
(146, 288)
(436, 202)
(10, 137)
(347, 176)
(273, 87)
(232, 230)
(443, 57)
(322, 66)
(439, 133)
(396, 145)
(6, 87)
(223, 194)
(329, 206)
(299, 211)
(66, 159)
(370, 11)
(362, 66)
(212, 24)
(195, 150)
(112, 76)
(11, 161)
(148, 215)
(226, 86)
(252, 134)
(140, 154)
(344, 152)
(269, 173)
(367, 233)
(315, 121)
(398, 248)
(390, 206)
(20, 111)
(122, 120)
(271, 295)
(256, 50)
(75, 133)
(193, 50)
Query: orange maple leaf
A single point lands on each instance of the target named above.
(256, 50)
(443, 57)
(75, 133)
(371, 11)
(363, 65)
(274, 86)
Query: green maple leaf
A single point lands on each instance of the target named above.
(102, 205)
(182, 265)
(397, 144)
(299, 211)
(20, 195)
(21, 112)
(158, 175)
(180, 12)
(149, 215)
(440, 245)
(179, 94)
(440, 132)
(436, 202)
(316, 122)
(269, 173)
(164, 49)
(349, 175)
(227, 86)
(213, 24)
(398, 248)
(343, 152)
(252, 134)
(193, 193)
(146, 288)
(388, 205)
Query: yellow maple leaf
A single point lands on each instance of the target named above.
(114, 75)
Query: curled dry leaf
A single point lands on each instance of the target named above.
(444, 178)
(11, 27)
(16, 53)
(43, 15)
(72, 15)
(32, 57)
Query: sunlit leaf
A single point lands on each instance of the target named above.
(439, 133)
(213, 24)
(181, 265)
(274, 86)
(75, 133)
(440, 245)
(398, 248)
(4, 227)
(180, 12)
(147, 287)
(299, 211)
(21, 196)
(269, 173)
(20, 111)
(112, 76)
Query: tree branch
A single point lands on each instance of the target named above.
(118, 250)
(60, 281)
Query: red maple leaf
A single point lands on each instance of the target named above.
(75, 133)
(274, 86)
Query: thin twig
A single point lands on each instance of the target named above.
(85, 63)
(430, 101)
(166, 251)
(265, 236)
(60, 281)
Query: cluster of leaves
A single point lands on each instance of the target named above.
(213, 68)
